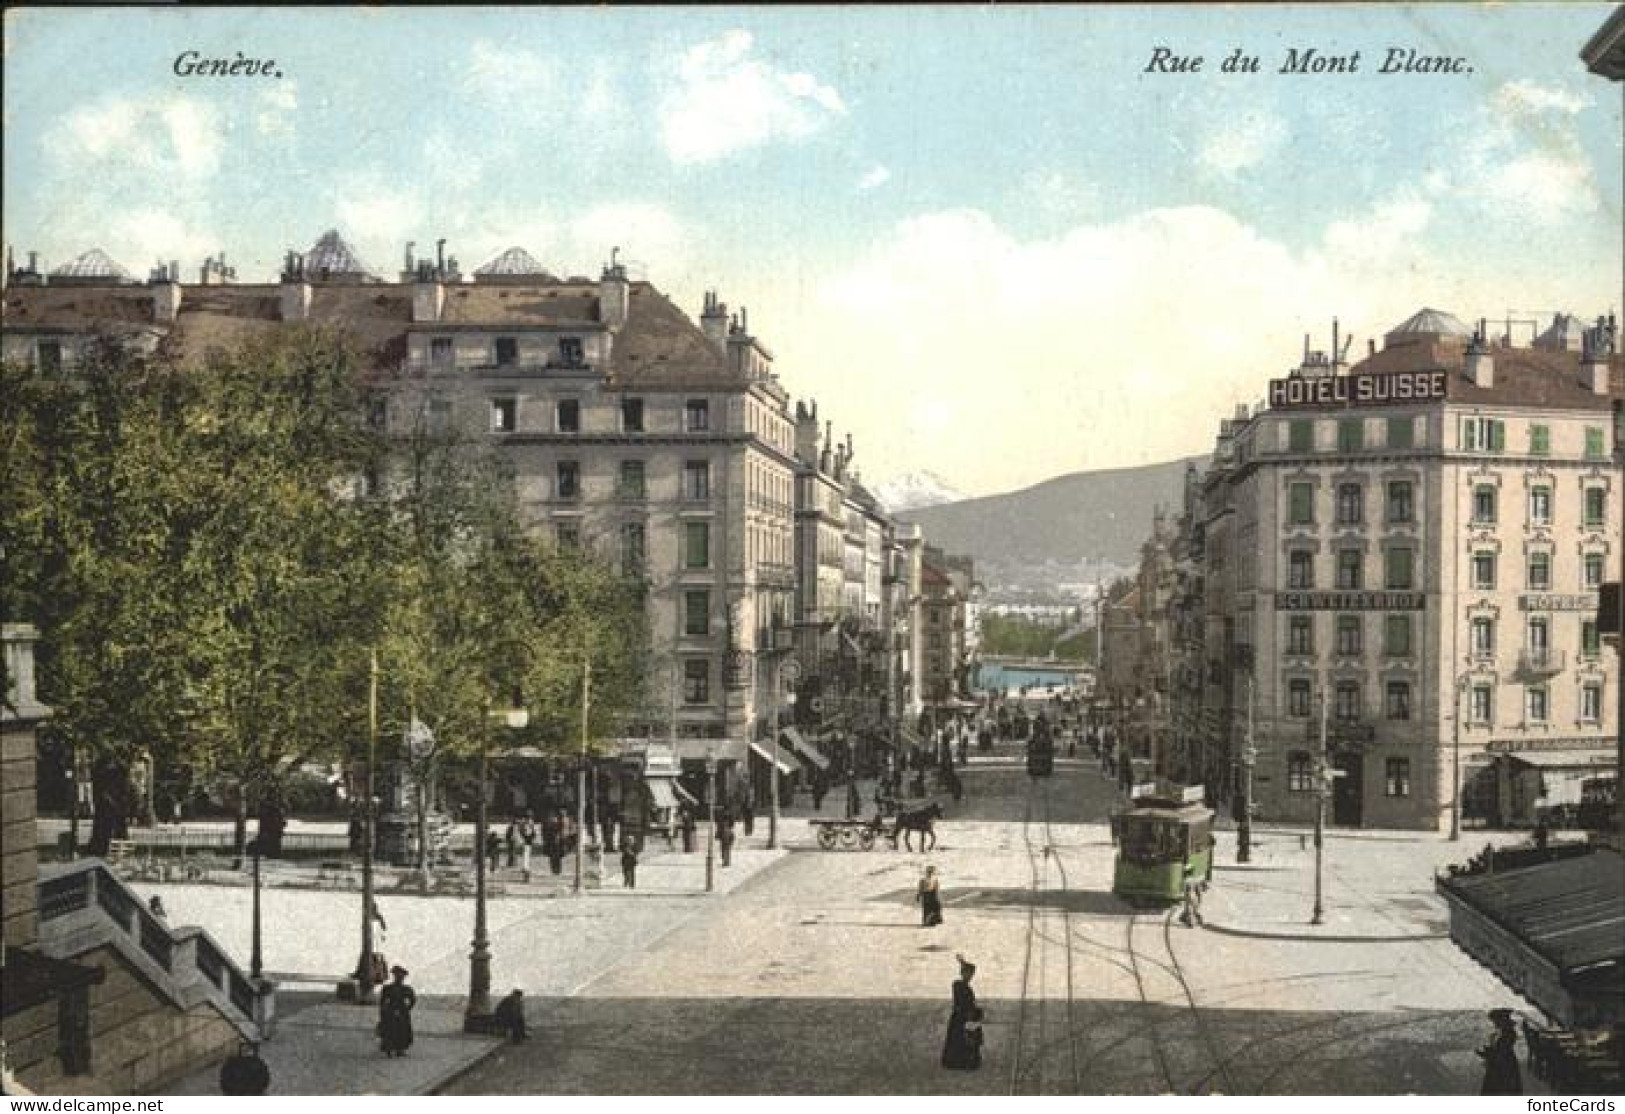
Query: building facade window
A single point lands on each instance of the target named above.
(1481, 699)
(1397, 700)
(1591, 703)
(1350, 435)
(1540, 506)
(1300, 569)
(1300, 773)
(697, 611)
(570, 352)
(506, 351)
(567, 415)
(633, 483)
(1401, 506)
(696, 681)
(1540, 440)
(440, 351)
(1396, 636)
(697, 545)
(567, 483)
(1346, 703)
(1481, 637)
(696, 480)
(1591, 570)
(1483, 435)
(1595, 506)
(504, 415)
(1300, 504)
(1397, 570)
(1397, 777)
(1350, 504)
(631, 415)
(1350, 564)
(1535, 704)
(1484, 504)
(1348, 635)
(1401, 433)
(1300, 436)
(1483, 570)
(1590, 642)
(1298, 698)
(634, 548)
(1300, 635)
(1540, 570)
(697, 415)
(1596, 443)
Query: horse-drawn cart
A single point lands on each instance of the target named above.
(854, 832)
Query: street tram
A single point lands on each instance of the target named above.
(1164, 839)
(1041, 749)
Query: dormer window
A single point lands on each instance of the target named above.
(697, 415)
(507, 351)
(440, 351)
(632, 415)
(570, 352)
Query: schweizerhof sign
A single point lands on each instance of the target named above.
(1304, 393)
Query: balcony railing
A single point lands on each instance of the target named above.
(1541, 662)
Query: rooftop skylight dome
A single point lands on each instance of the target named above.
(94, 267)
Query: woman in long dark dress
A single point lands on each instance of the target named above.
(930, 899)
(962, 1050)
(1501, 1075)
(395, 1004)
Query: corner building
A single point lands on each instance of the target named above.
(1418, 541)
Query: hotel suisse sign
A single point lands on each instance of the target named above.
(1350, 601)
(1302, 393)
(1549, 602)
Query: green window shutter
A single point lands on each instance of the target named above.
(1498, 431)
(1540, 440)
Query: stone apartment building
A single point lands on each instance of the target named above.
(1412, 547)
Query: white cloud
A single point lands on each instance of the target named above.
(649, 237)
(1526, 162)
(278, 103)
(1391, 230)
(723, 101)
(171, 135)
(1526, 98)
(875, 177)
(376, 218)
(1241, 144)
(509, 74)
(1059, 195)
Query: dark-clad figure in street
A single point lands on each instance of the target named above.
(395, 1004)
(1500, 1057)
(629, 865)
(725, 836)
(930, 899)
(510, 1016)
(962, 1050)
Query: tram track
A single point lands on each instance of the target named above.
(1034, 1044)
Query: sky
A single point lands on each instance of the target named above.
(992, 242)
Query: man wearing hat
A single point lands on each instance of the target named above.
(395, 1004)
(1500, 1057)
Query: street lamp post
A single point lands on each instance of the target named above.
(1455, 760)
(256, 961)
(773, 774)
(711, 827)
(581, 773)
(1249, 754)
(479, 958)
(1322, 789)
(363, 966)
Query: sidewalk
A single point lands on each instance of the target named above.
(548, 948)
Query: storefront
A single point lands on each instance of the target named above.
(1554, 932)
(1527, 781)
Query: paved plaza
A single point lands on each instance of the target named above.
(808, 971)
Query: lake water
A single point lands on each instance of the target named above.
(993, 677)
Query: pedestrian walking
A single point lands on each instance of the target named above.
(1500, 1056)
(510, 839)
(685, 821)
(747, 815)
(725, 836)
(493, 851)
(820, 788)
(395, 1003)
(510, 1016)
(930, 899)
(629, 865)
(1191, 916)
(962, 1049)
(553, 841)
(854, 802)
(527, 841)
(156, 907)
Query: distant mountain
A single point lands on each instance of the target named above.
(1093, 516)
(916, 489)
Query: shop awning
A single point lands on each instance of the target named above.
(1598, 760)
(804, 748)
(1554, 932)
(787, 762)
(660, 788)
(684, 795)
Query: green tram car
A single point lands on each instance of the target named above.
(1164, 839)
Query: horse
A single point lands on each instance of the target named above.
(922, 820)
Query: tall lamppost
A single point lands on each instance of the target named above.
(477, 1016)
(1249, 755)
(256, 960)
(363, 966)
(1455, 758)
(711, 826)
(581, 772)
(1323, 784)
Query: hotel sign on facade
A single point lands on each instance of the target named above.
(1329, 391)
(1546, 601)
(1350, 601)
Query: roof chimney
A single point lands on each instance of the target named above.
(428, 295)
(1596, 346)
(166, 293)
(714, 319)
(614, 294)
(295, 289)
(1480, 364)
